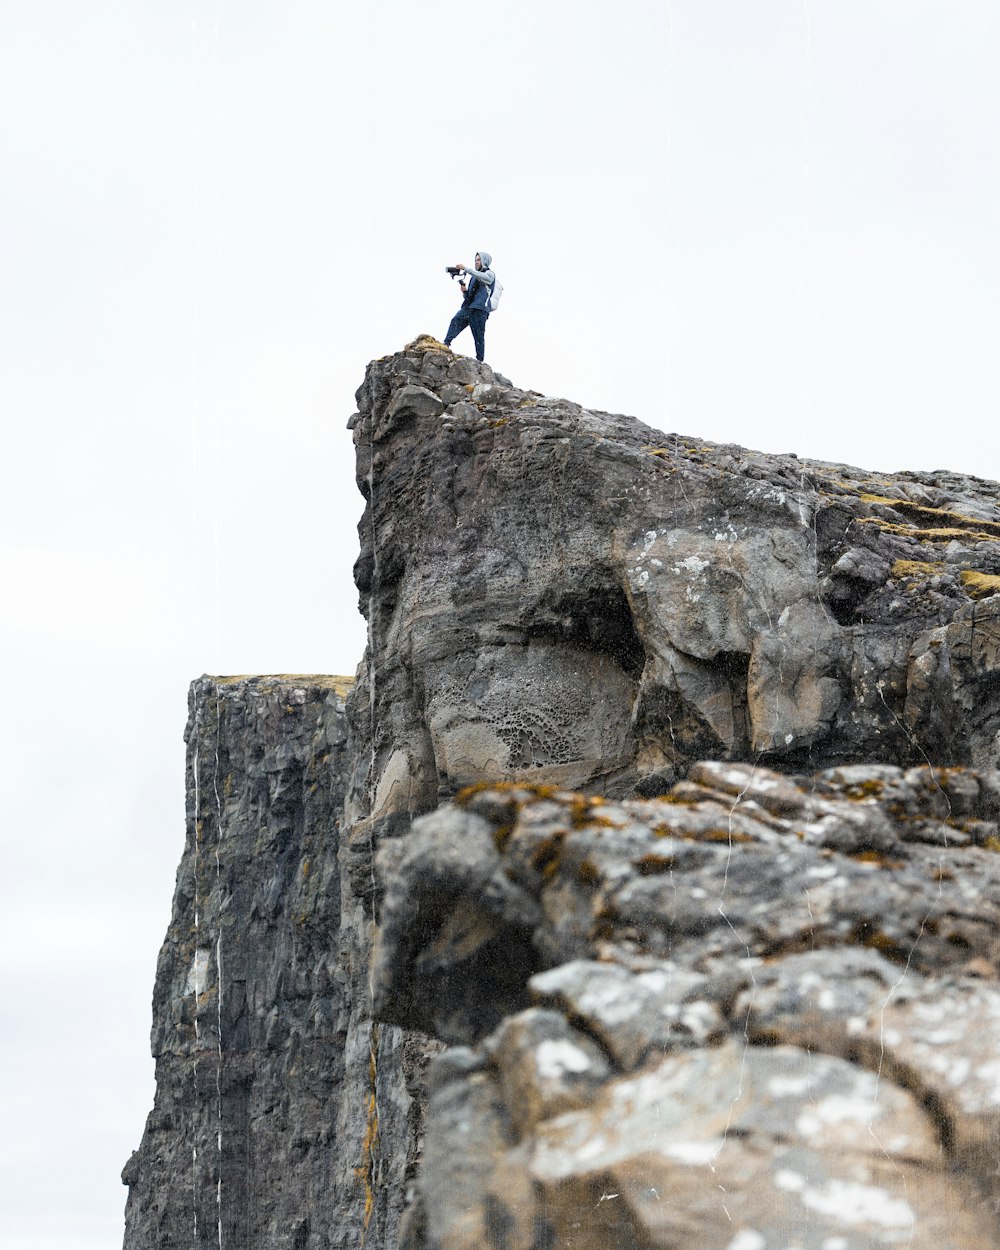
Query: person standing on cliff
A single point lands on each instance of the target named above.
(475, 305)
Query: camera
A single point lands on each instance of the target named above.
(454, 270)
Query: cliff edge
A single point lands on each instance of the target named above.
(665, 804)
(573, 597)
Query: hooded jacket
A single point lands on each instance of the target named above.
(478, 293)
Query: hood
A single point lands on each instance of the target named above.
(486, 258)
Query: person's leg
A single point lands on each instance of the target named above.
(458, 324)
(477, 319)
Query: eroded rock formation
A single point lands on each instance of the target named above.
(758, 1011)
(747, 1004)
(574, 597)
(751, 1014)
(283, 1117)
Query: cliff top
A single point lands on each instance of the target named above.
(570, 596)
(325, 681)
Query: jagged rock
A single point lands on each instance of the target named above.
(700, 876)
(282, 1118)
(743, 1002)
(746, 1035)
(661, 1007)
(573, 597)
(935, 1036)
(729, 1147)
(953, 686)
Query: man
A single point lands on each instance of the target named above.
(475, 305)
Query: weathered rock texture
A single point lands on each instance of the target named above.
(282, 1115)
(574, 597)
(749, 1004)
(752, 1015)
(760, 1011)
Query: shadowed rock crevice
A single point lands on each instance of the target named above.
(595, 617)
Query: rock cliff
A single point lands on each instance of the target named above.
(275, 1090)
(759, 1011)
(576, 598)
(743, 1004)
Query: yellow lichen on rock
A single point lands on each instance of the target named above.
(326, 681)
(426, 343)
(916, 568)
(979, 585)
(920, 512)
(943, 535)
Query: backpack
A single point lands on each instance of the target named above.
(496, 290)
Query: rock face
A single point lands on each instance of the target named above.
(576, 598)
(668, 795)
(760, 1011)
(282, 1113)
(751, 1014)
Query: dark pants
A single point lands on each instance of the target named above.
(474, 318)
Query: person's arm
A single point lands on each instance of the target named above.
(486, 276)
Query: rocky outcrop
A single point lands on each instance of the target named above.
(759, 1011)
(745, 1003)
(282, 1116)
(751, 1013)
(574, 597)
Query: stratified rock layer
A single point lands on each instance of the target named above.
(282, 1115)
(758, 1012)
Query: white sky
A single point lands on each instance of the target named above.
(770, 223)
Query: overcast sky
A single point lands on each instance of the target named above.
(769, 223)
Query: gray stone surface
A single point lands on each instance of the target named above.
(737, 862)
(724, 1148)
(708, 918)
(760, 1011)
(573, 597)
(283, 1116)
